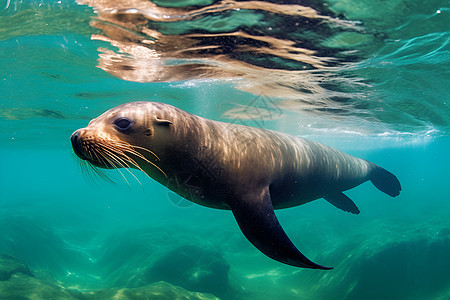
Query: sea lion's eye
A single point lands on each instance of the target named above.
(123, 124)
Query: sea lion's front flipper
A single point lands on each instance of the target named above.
(343, 202)
(255, 215)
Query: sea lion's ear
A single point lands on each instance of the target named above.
(163, 122)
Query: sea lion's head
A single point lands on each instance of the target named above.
(127, 136)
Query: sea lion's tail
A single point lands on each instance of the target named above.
(385, 181)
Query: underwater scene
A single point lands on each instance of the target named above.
(370, 78)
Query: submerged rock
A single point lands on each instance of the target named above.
(22, 286)
(18, 282)
(155, 291)
(9, 266)
(192, 268)
(406, 269)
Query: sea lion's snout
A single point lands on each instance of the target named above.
(76, 145)
(100, 149)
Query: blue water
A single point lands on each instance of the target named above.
(367, 77)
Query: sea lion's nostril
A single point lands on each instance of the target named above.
(75, 136)
(75, 139)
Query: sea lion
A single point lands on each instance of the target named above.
(250, 171)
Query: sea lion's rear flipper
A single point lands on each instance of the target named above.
(255, 215)
(343, 202)
(385, 181)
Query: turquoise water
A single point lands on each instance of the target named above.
(370, 78)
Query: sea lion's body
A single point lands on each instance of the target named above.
(227, 166)
(212, 155)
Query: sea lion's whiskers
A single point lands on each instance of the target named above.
(92, 172)
(142, 148)
(99, 173)
(84, 168)
(119, 155)
(124, 147)
(117, 158)
(119, 161)
(93, 155)
(115, 162)
(98, 157)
